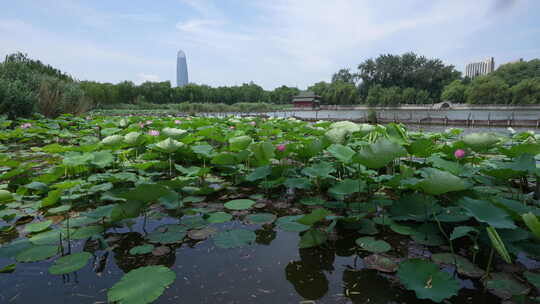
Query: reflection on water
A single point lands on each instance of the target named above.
(274, 270)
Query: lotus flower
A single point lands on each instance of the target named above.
(153, 133)
(459, 153)
(177, 121)
(280, 147)
(26, 125)
(253, 123)
(141, 125)
(148, 122)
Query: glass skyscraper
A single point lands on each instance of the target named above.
(181, 69)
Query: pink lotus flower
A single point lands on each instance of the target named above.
(231, 127)
(177, 121)
(459, 153)
(141, 125)
(153, 133)
(252, 123)
(280, 147)
(148, 122)
(26, 125)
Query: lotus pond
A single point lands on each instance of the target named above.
(254, 210)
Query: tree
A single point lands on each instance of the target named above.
(454, 92)
(344, 75)
(409, 96)
(375, 95)
(526, 92)
(406, 71)
(488, 90)
(514, 73)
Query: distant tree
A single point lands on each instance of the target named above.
(344, 75)
(526, 92)
(454, 92)
(406, 71)
(422, 97)
(514, 73)
(375, 95)
(409, 96)
(488, 90)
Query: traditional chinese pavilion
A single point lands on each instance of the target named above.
(306, 99)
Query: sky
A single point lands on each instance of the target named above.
(272, 43)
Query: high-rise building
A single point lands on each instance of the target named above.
(480, 68)
(181, 69)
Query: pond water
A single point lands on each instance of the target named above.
(416, 114)
(273, 270)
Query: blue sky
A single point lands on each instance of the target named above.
(290, 42)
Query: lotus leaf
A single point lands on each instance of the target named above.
(234, 238)
(70, 263)
(261, 218)
(312, 238)
(480, 141)
(372, 245)
(379, 154)
(142, 285)
(112, 140)
(239, 204)
(132, 138)
(168, 145)
(173, 132)
(37, 253)
(427, 281)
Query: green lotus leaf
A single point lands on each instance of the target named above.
(340, 130)
(141, 249)
(342, 153)
(380, 263)
(5, 196)
(132, 138)
(142, 285)
(464, 266)
(259, 173)
(239, 204)
(37, 253)
(312, 238)
(347, 187)
(505, 286)
(297, 183)
(480, 141)
(86, 232)
(427, 281)
(486, 212)
(168, 145)
(292, 226)
(437, 182)
(219, 217)
(314, 217)
(70, 263)
(380, 153)
(173, 132)
(234, 238)
(260, 218)
(240, 143)
(532, 222)
(38, 226)
(112, 140)
(372, 245)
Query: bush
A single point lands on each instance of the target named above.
(16, 99)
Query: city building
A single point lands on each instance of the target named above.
(181, 70)
(480, 68)
(306, 99)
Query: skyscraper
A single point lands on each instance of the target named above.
(480, 68)
(181, 69)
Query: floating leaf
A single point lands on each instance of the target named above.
(312, 238)
(427, 281)
(201, 234)
(5, 196)
(505, 286)
(142, 285)
(261, 218)
(380, 263)
(168, 234)
(292, 226)
(38, 226)
(315, 216)
(37, 253)
(141, 249)
(8, 269)
(86, 232)
(312, 201)
(70, 263)
(234, 238)
(239, 204)
(219, 217)
(372, 245)
(464, 266)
